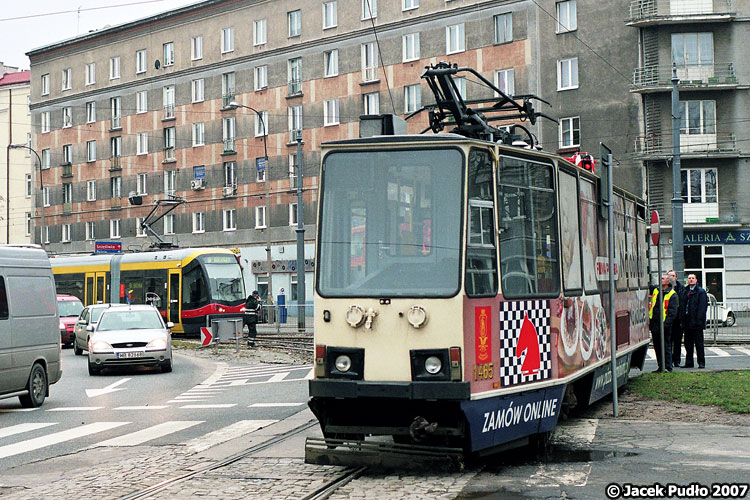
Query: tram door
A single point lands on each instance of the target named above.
(96, 286)
(173, 313)
(89, 293)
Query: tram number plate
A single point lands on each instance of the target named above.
(483, 371)
(130, 354)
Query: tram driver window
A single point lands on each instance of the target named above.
(481, 254)
(528, 229)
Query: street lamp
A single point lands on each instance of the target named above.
(269, 262)
(41, 185)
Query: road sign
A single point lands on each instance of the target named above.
(206, 336)
(108, 247)
(655, 227)
(261, 164)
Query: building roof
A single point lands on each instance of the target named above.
(15, 78)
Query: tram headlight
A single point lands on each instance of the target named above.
(417, 316)
(343, 363)
(433, 365)
(355, 316)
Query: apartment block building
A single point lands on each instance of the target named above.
(147, 107)
(707, 41)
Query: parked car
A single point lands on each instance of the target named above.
(70, 308)
(723, 313)
(29, 333)
(89, 316)
(130, 335)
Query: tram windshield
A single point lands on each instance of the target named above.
(390, 223)
(224, 277)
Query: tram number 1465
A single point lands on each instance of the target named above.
(483, 371)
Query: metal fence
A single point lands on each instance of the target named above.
(727, 321)
(286, 318)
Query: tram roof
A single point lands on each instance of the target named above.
(161, 255)
(386, 139)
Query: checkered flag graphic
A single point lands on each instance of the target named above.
(511, 320)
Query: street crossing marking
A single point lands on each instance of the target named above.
(56, 438)
(278, 377)
(743, 350)
(76, 408)
(223, 405)
(711, 352)
(13, 410)
(155, 407)
(228, 433)
(716, 350)
(274, 405)
(153, 432)
(20, 428)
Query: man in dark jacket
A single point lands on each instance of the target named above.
(694, 322)
(252, 311)
(664, 305)
(677, 328)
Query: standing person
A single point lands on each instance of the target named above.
(252, 311)
(666, 310)
(694, 322)
(677, 327)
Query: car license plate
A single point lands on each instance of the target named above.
(130, 354)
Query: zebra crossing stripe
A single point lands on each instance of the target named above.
(20, 428)
(154, 407)
(225, 434)
(717, 351)
(56, 438)
(77, 408)
(274, 405)
(278, 377)
(153, 432)
(221, 405)
(743, 350)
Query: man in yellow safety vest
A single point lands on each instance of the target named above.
(667, 312)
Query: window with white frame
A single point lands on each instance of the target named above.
(294, 21)
(259, 32)
(90, 112)
(461, 86)
(197, 87)
(331, 112)
(46, 196)
(45, 158)
(292, 214)
(260, 173)
(168, 49)
(196, 48)
(169, 224)
(227, 40)
(28, 185)
(140, 61)
(66, 233)
(699, 185)
(261, 77)
(227, 87)
(504, 28)
(116, 110)
(410, 50)
(698, 117)
(115, 144)
(140, 231)
(27, 151)
(455, 41)
(369, 9)
(409, 4)
(142, 143)
(45, 84)
(292, 170)
(505, 81)
(114, 228)
(567, 74)
(90, 73)
(67, 150)
(141, 184)
(261, 124)
(91, 230)
(260, 217)
(330, 15)
(331, 62)
(67, 192)
(91, 190)
(170, 178)
(141, 101)
(230, 174)
(567, 19)
(230, 219)
(46, 234)
(114, 68)
(295, 121)
(28, 223)
(369, 62)
(570, 132)
(199, 222)
(44, 117)
(67, 77)
(168, 101)
(295, 75)
(90, 151)
(169, 143)
(371, 103)
(199, 134)
(67, 117)
(228, 132)
(412, 98)
(115, 184)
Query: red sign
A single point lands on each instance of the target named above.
(483, 334)
(206, 336)
(655, 227)
(528, 348)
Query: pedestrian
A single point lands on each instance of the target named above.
(694, 322)
(252, 312)
(664, 305)
(677, 328)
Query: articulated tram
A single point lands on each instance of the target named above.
(187, 285)
(462, 294)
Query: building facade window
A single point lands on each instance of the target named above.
(141, 101)
(28, 224)
(44, 121)
(67, 192)
(293, 170)
(199, 222)
(114, 228)
(67, 150)
(45, 158)
(227, 88)
(45, 84)
(168, 102)
(261, 124)
(699, 185)
(505, 81)
(409, 4)
(66, 233)
(67, 117)
(141, 184)
(169, 224)
(292, 214)
(116, 110)
(570, 132)
(369, 9)
(169, 143)
(371, 103)
(140, 231)
(410, 50)
(168, 49)
(115, 184)
(228, 133)
(504, 28)
(461, 86)
(331, 63)
(115, 144)
(199, 134)
(91, 190)
(227, 40)
(142, 143)
(170, 178)
(412, 98)
(90, 151)
(90, 73)
(230, 220)
(230, 174)
(295, 75)
(140, 61)
(567, 74)
(90, 112)
(114, 68)
(197, 88)
(294, 21)
(455, 41)
(91, 230)
(295, 121)
(28, 185)
(567, 18)
(261, 77)
(260, 217)
(46, 196)
(369, 62)
(331, 112)
(707, 262)
(259, 32)
(196, 48)
(67, 79)
(698, 118)
(330, 15)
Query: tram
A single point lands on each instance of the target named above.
(187, 285)
(461, 294)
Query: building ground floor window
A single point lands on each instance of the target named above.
(707, 263)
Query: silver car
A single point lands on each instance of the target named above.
(128, 336)
(89, 316)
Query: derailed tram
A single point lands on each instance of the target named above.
(462, 295)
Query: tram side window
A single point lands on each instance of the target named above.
(589, 239)
(481, 253)
(620, 250)
(133, 280)
(571, 241)
(71, 284)
(631, 245)
(528, 229)
(194, 289)
(642, 246)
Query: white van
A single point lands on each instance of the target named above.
(29, 325)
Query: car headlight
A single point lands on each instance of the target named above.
(433, 365)
(61, 326)
(99, 346)
(158, 344)
(343, 363)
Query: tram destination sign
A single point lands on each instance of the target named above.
(717, 237)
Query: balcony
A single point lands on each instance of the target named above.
(168, 112)
(116, 123)
(227, 98)
(654, 147)
(67, 170)
(229, 146)
(721, 213)
(295, 87)
(114, 163)
(652, 12)
(169, 154)
(717, 76)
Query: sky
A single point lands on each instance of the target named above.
(30, 24)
